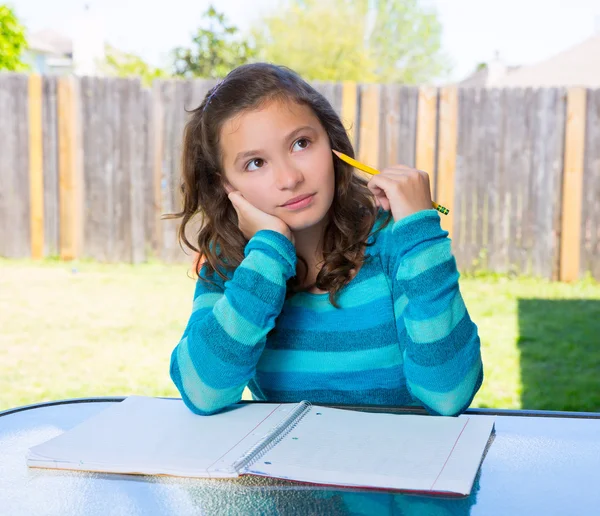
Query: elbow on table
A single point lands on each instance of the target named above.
(203, 409)
(198, 397)
(455, 402)
(448, 408)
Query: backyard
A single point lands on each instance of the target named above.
(87, 329)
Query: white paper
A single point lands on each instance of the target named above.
(341, 447)
(159, 436)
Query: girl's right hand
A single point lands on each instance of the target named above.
(251, 220)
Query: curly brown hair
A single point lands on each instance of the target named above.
(220, 243)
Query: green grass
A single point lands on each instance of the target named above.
(87, 329)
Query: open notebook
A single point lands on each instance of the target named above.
(300, 442)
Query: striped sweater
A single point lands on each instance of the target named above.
(401, 335)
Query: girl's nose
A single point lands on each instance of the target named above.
(287, 177)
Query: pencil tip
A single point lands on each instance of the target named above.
(335, 152)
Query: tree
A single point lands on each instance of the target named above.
(406, 42)
(324, 42)
(361, 40)
(216, 51)
(12, 40)
(122, 64)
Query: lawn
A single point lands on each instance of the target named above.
(86, 329)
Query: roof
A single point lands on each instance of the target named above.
(576, 66)
(48, 41)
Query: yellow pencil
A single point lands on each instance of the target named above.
(373, 171)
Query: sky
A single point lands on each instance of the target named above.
(521, 31)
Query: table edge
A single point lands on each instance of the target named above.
(367, 408)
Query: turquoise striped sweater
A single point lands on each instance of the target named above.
(401, 335)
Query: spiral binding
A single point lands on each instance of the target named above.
(277, 433)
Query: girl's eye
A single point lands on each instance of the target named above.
(301, 144)
(254, 164)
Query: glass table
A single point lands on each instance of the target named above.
(538, 463)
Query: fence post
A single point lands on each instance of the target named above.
(349, 110)
(69, 178)
(36, 170)
(572, 187)
(426, 133)
(368, 149)
(447, 153)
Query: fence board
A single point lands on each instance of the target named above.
(497, 129)
(463, 135)
(93, 106)
(572, 186)
(368, 150)
(407, 132)
(36, 172)
(474, 146)
(525, 214)
(50, 165)
(548, 153)
(22, 206)
(447, 154)
(486, 132)
(426, 137)
(389, 131)
(67, 177)
(517, 160)
(590, 224)
(15, 228)
(349, 112)
(138, 175)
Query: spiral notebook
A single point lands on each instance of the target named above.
(299, 442)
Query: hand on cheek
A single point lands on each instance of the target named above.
(251, 220)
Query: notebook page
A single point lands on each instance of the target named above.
(334, 446)
(159, 436)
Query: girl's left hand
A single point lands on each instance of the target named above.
(402, 189)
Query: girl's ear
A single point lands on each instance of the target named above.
(227, 186)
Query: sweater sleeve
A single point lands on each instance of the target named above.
(226, 332)
(442, 355)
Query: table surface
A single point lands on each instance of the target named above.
(538, 463)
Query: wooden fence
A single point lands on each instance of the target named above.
(87, 166)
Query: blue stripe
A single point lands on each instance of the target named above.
(370, 290)
(333, 340)
(246, 280)
(206, 300)
(369, 315)
(421, 309)
(450, 402)
(269, 268)
(393, 397)
(276, 246)
(438, 327)
(444, 377)
(237, 327)
(400, 305)
(255, 310)
(198, 393)
(417, 262)
(436, 353)
(434, 278)
(387, 377)
(275, 360)
(220, 360)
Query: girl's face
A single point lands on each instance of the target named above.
(279, 158)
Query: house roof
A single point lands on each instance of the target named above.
(576, 66)
(48, 41)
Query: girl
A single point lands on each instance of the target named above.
(308, 288)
